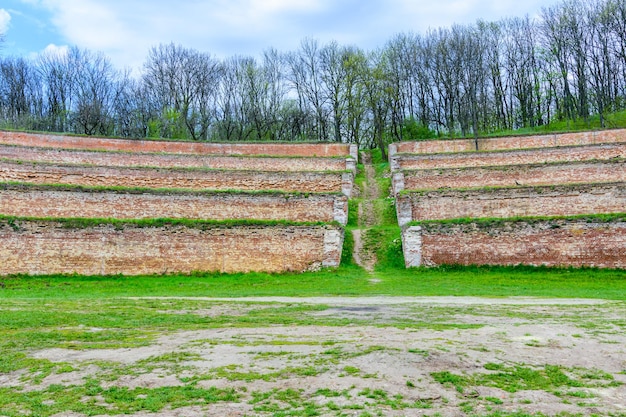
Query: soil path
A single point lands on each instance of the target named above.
(389, 300)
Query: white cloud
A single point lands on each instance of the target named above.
(125, 30)
(5, 19)
(440, 13)
(56, 50)
(50, 50)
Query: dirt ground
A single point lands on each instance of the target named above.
(384, 368)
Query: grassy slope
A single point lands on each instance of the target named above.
(612, 121)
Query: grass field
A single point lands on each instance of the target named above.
(344, 281)
(76, 346)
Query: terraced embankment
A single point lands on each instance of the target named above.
(509, 142)
(180, 178)
(119, 203)
(566, 211)
(553, 200)
(106, 248)
(172, 214)
(511, 176)
(601, 152)
(165, 160)
(179, 147)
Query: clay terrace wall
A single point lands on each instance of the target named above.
(127, 159)
(511, 202)
(27, 201)
(517, 157)
(433, 146)
(513, 142)
(47, 247)
(511, 176)
(550, 243)
(270, 148)
(176, 178)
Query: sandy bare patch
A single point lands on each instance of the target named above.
(372, 365)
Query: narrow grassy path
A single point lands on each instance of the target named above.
(369, 216)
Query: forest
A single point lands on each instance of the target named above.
(566, 63)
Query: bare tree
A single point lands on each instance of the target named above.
(20, 93)
(305, 76)
(333, 77)
(603, 67)
(276, 90)
(183, 83)
(375, 81)
(95, 80)
(555, 31)
(229, 102)
(355, 67)
(399, 82)
(57, 73)
(617, 10)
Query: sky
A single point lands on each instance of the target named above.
(125, 30)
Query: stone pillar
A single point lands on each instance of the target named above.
(404, 210)
(333, 245)
(354, 152)
(394, 163)
(340, 210)
(351, 165)
(347, 183)
(412, 246)
(392, 150)
(397, 182)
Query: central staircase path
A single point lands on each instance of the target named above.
(364, 255)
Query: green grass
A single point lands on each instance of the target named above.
(15, 185)
(517, 378)
(489, 222)
(200, 169)
(92, 399)
(562, 188)
(347, 280)
(507, 168)
(82, 223)
(612, 121)
(615, 120)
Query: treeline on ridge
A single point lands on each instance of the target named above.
(568, 63)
